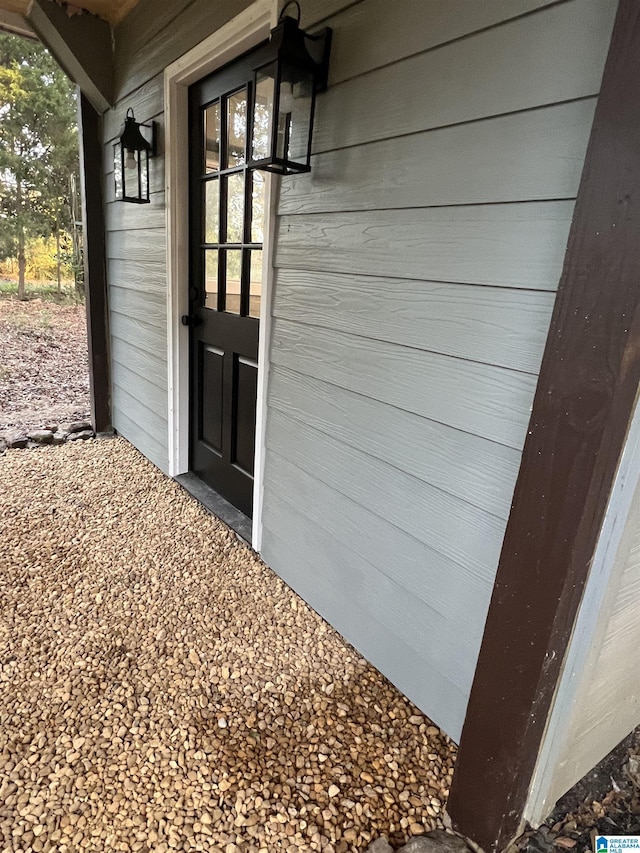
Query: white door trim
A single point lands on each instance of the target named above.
(243, 32)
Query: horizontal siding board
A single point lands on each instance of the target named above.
(142, 276)
(472, 468)
(399, 609)
(371, 34)
(506, 327)
(140, 439)
(509, 245)
(462, 532)
(527, 156)
(151, 422)
(146, 19)
(120, 216)
(198, 20)
(484, 400)
(147, 392)
(151, 306)
(315, 11)
(146, 102)
(145, 245)
(146, 364)
(150, 338)
(436, 580)
(555, 55)
(432, 691)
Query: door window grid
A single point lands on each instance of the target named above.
(233, 208)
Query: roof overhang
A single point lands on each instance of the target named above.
(111, 11)
(78, 35)
(12, 22)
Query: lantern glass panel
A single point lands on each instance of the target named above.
(117, 169)
(283, 124)
(236, 128)
(212, 211)
(212, 137)
(295, 103)
(144, 175)
(130, 174)
(300, 127)
(263, 113)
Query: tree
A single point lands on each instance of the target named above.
(38, 147)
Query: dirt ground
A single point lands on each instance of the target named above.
(605, 802)
(43, 364)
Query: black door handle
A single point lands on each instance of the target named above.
(190, 320)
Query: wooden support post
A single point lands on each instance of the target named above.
(95, 273)
(582, 408)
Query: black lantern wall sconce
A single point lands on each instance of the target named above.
(131, 155)
(292, 69)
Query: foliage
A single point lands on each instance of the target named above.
(42, 259)
(46, 292)
(38, 147)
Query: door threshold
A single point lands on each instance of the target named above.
(216, 505)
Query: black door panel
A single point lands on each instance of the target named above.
(226, 232)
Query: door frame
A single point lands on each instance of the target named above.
(236, 37)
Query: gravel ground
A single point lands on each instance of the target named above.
(43, 364)
(161, 689)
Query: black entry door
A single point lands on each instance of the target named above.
(226, 226)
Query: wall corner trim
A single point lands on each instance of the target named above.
(583, 405)
(586, 626)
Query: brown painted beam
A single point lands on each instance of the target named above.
(583, 404)
(95, 272)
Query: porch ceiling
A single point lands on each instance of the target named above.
(11, 22)
(112, 11)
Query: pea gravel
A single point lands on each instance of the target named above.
(161, 689)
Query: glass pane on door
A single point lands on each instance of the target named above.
(255, 284)
(257, 208)
(212, 211)
(236, 128)
(233, 281)
(212, 138)
(211, 279)
(235, 207)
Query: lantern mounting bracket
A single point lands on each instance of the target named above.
(286, 6)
